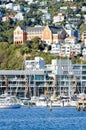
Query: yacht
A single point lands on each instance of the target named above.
(42, 101)
(9, 101)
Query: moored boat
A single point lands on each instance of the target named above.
(9, 101)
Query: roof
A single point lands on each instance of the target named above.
(55, 30)
(37, 28)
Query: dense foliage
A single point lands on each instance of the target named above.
(13, 56)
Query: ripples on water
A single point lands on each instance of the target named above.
(40, 118)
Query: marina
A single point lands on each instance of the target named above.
(42, 65)
(41, 118)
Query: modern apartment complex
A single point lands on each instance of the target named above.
(62, 75)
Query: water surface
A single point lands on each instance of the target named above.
(41, 118)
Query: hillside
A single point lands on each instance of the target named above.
(13, 56)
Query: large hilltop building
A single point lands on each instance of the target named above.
(48, 34)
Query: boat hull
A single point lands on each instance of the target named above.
(10, 106)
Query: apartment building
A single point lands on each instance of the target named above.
(61, 74)
(66, 49)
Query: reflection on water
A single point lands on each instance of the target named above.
(40, 118)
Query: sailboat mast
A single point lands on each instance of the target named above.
(6, 84)
(26, 87)
(69, 79)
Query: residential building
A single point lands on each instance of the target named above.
(19, 16)
(84, 52)
(83, 35)
(9, 6)
(68, 50)
(69, 0)
(84, 19)
(80, 74)
(46, 18)
(44, 11)
(37, 63)
(71, 40)
(83, 8)
(70, 78)
(72, 31)
(43, 3)
(55, 48)
(63, 8)
(59, 18)
(17, 7)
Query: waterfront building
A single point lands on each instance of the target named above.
(17, 81)
(62, 70)
(80, 75)
(62, 75)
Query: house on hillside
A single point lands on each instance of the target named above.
(83, 35)
(37, 63)
(69, 0)
(46, 18)
(9, 6)
(71, 40)
(58, 18)
(17, 7)
(19, 16)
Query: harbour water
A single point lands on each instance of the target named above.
(41, 118)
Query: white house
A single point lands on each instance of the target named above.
(84, 18)
(43, 3)
(17, 8)
(45, 11)
(84, 52)
(55, 48)
(46, 17)
(69, 0)
(19, 16)
(9, 6)
(37, 63)
(58, 18)
(83, 8)
(75, 48)
(71, 39)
